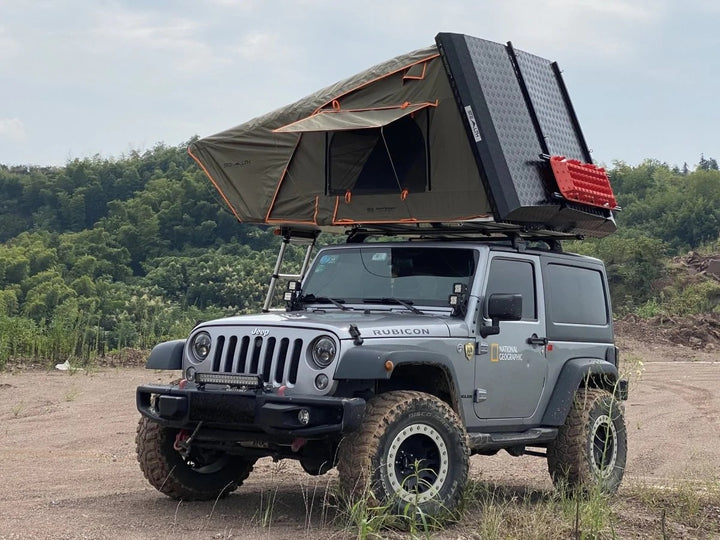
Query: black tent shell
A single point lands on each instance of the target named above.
(457, 132)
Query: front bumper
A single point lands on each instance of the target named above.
(249, 411)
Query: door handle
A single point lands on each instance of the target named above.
(535, 340)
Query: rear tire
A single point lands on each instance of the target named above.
(590, 451)
(410, 453)
(205, 475)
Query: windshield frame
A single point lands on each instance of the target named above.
(397, 276)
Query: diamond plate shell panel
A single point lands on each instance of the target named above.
(520, 107)
(513, 124)
(550, 107)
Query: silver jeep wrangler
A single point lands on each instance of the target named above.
(395, 362)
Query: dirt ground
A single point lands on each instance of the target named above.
(68, 466)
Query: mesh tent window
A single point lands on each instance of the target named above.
(391, 158)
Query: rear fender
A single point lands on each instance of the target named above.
(576, 373)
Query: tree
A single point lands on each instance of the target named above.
(708, 164)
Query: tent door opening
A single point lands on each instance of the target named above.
(388, 159)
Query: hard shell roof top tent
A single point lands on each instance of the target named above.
(467, 132)
(466, 136)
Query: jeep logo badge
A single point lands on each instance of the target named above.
(260, 332)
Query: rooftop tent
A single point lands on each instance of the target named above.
(460, 131)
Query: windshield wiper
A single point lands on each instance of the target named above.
(390, 300)
(312, 299)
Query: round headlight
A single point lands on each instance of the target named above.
(200, 346)
(323, 351)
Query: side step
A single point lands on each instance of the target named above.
(497, 441)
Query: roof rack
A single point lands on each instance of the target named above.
(465, 230)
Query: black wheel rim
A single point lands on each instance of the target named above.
(418, 463)
(604, 446)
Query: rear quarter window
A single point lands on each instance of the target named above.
(576, 295)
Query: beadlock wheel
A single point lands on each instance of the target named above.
(417, 463)
(604, 446)
(410, 455)
(590, 450)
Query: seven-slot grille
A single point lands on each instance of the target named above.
(276, 359)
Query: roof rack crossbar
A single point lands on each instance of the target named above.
(460, 231)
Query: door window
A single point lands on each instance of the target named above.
(513, 276)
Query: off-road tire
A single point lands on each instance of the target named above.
(590, 451)
(168, 472)
(403, 426)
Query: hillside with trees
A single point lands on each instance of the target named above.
(103, 254)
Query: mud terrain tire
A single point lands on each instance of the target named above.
(210, 477)
(400, 429)
(591, 448)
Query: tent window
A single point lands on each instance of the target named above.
(379, 160)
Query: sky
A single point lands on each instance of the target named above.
(85, 78)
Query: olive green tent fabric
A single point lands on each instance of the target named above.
(387, 145)
(339, 120)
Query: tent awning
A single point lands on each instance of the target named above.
(341, 120)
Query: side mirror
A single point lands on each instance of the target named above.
(502, 307)
(505, 307)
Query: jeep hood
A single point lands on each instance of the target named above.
(370, 325)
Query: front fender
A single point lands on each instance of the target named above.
(166, 355)
(368, 362)
(571, 377)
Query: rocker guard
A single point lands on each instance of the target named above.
(249, 411)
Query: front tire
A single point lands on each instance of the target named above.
(411, 452)
(591, 448)
(202, 476)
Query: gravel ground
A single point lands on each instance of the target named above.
(68, 466)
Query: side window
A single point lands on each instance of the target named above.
(577, 295)
(512, 276)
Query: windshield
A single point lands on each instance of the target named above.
(377, 274)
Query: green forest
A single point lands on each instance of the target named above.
(104, 254)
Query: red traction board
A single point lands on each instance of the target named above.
(583, 182)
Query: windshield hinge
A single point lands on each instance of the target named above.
(355, 334)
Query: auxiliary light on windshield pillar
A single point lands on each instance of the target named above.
(458, 299)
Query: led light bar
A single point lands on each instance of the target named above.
(231, 379)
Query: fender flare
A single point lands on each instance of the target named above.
(166, 355)
(368, 362)
(570, 379)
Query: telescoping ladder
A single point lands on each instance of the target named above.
(297, 237)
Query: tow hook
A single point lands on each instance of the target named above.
(183, 440)
(297, 444)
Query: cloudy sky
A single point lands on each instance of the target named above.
(86, 77)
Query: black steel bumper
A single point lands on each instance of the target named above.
(249, 410)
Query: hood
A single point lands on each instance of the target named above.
(371, 325)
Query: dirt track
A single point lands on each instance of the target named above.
(68, 467)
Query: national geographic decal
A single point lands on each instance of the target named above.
(504, 353)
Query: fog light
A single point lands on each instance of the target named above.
(190, 374)
(304, 417)
(321, 381)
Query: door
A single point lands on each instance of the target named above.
(511, 367)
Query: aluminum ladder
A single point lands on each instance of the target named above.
(297, 237)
